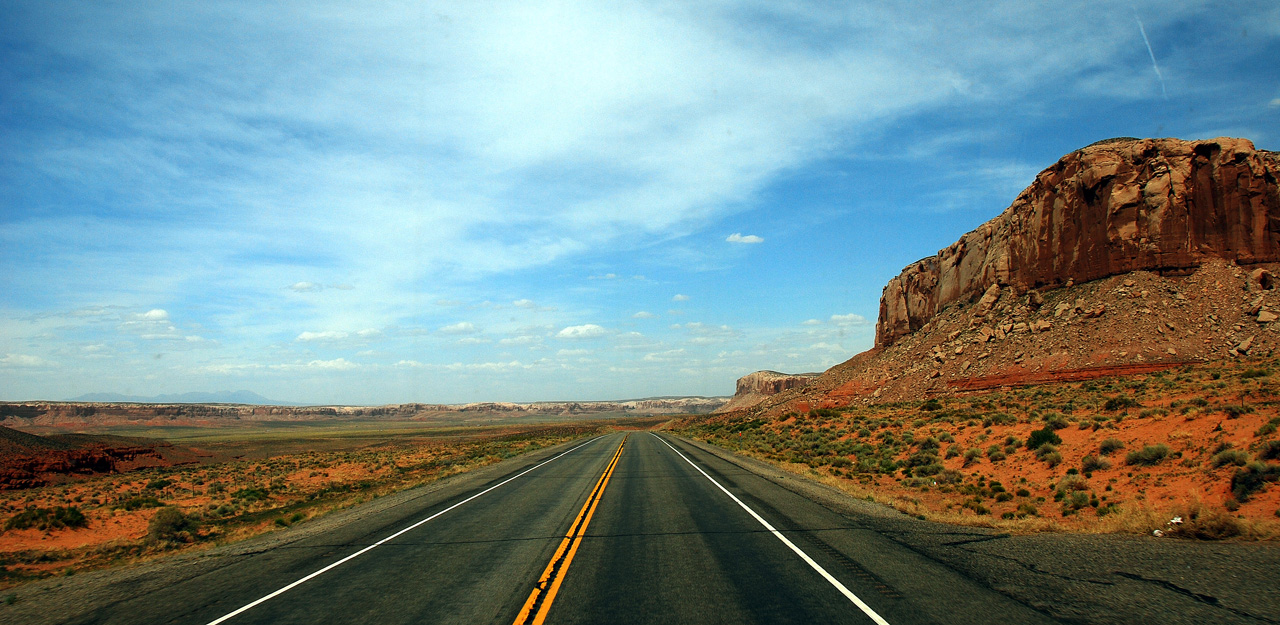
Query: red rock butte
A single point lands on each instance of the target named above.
(1121, 205)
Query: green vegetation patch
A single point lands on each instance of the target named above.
(47, 518)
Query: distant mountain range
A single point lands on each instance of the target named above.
(220, 397)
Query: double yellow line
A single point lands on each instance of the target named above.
(536, 607)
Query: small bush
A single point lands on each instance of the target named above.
(1230, 456)
(1269, 450)
(1148, 456)
(1046, 449)
(1110, 446)
(170, 525)
(1055, 421)
(1119, 402)
(1093, 463)
(1053, 459)
(931, 405)
(250, 494)
(1254, 373)
(1268, 427)
(1042, 436)
(138, 503)
(159, 484)
(1252, 479)
(47, 518)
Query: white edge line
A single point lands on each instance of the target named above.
(866, 609)
(380, 542)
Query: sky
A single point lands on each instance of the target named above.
(369, 203)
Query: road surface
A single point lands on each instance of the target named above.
(651, 530)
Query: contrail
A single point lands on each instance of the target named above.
(1152, 54)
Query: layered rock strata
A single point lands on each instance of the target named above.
(1161, 205)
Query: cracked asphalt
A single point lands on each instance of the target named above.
(666, 544)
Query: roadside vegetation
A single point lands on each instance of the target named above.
(1190, 452)
(100, 521)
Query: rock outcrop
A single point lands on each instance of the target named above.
(1161, 205)
(755, 387)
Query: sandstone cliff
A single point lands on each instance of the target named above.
(1162, 205)
(755, 387)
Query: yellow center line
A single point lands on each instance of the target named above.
(544, 592)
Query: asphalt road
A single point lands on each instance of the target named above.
(674, 535)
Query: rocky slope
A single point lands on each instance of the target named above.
(1160, 205)
(28, 460)
(1125, 256)
(755, 387)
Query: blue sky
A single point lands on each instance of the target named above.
(389, 202)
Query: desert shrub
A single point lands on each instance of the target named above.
(138, 503)
(1233, 411)
(946, 437)
(952, 451)
(1110, 445)
(1055, 421)
(949, 476)
(170, 525)
(159, 484)
(995, 454)
(47, 518)
(1230, 456)
(1269, 450)
(1094, 463)
(250, 494)
(1148, 456)
(1119, 402)
(1268, 428)
(1252, 478)
(1254, 373)
(1027, 509)
(931, 405)
(1211, 525)
(1046, 449)
(1041, 437)
(1071, 483)
(971, 455)
(1053, 459)
(1004, 497)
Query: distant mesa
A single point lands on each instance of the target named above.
(753, 388)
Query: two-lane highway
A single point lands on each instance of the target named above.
(653, 530)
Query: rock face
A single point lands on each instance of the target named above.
(755, 387)
(1161, 205)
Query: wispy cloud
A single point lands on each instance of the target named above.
(737, 237)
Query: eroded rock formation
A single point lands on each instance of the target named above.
(1162, 205)
(754, 387)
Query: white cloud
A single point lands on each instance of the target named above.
(644, 315)
(473, 340)
(462, 327)
(573, 352)
(303, 287)
(679, 297)
(327, 335)
(524, 303)
(23, 361)
(811, 322)
(737, 237)
(667, 356)
(849, 320)
(155, 315)
(521, 340)
(411, 364)
(1275, 104)
(337, 364)
(586, 331)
